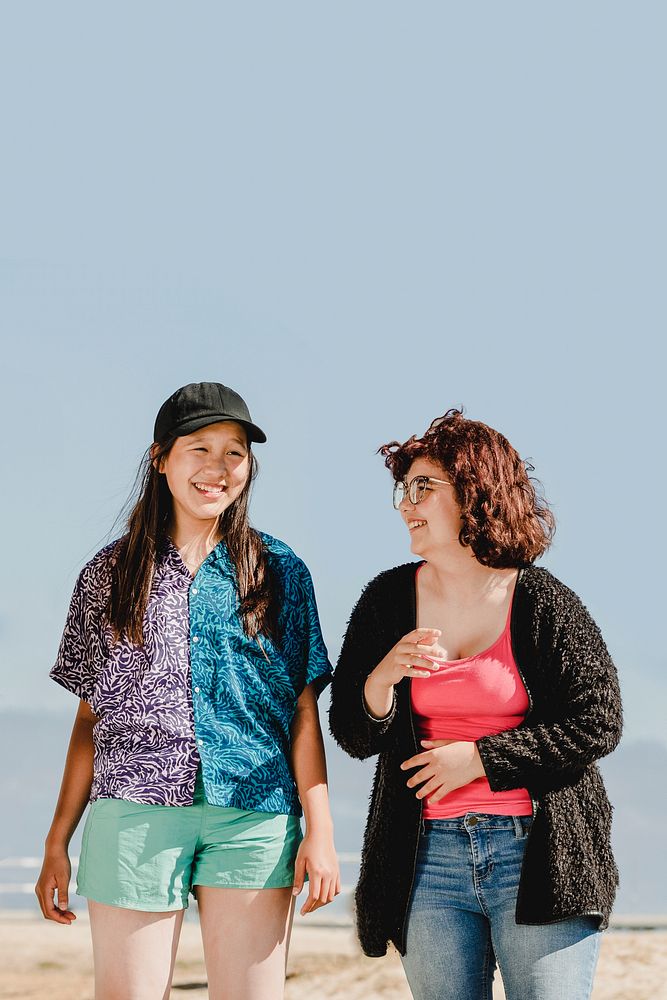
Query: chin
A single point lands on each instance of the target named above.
(416, 548)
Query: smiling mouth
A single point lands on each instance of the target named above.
(209, 490)
(413, 525)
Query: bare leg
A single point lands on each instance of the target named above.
(134, 951)
(246, 936)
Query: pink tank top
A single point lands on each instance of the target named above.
(477, 696)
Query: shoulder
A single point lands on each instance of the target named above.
(289, 567)
(282, 556)
(541, 582)
(550, 597)
(389, 585)
(97, 571)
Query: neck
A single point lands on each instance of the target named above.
(458, 574)
(193, 538)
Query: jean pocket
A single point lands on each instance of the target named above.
(522, 826)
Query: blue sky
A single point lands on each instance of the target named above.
(358, 215)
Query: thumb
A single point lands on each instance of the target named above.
(299, 875)
(62, 894)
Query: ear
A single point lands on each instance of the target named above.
(156, 463)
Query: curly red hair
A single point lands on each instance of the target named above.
(505, 523)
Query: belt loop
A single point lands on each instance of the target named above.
(518, 827)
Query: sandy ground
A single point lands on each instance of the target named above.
(41, 960)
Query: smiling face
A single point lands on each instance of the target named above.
(435, 522)
(206, 471)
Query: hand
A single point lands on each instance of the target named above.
(55, 875)
(444, 766)
(316, 857)
(415, 655)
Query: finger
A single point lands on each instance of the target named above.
(439, 794)
(407, 652)
(411, 669)
(40, 899)
(435, 651)
(48, 906)
(421, 758)
(63, 885)
(414, 672)
(429, 787)
(47, 899)
(313, 894)
(436, 662)
(299, 875)
(325, 889)
(316, 884)
(420, 777)
(411, 659)
(426, 635)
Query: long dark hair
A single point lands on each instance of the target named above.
(136, 553)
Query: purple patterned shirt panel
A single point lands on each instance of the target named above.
(144, 741)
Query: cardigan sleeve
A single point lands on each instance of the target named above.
(583, 721)
(350, 723)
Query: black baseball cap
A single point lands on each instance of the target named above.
(199, 404)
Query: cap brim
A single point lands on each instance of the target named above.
(255, 433)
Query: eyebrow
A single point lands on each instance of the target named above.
(205, 437)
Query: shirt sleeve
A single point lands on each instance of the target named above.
(80, 650)
(317, 668)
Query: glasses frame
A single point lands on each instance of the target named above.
(414, 492)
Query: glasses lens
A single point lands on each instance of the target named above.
(418, 488)
(399, 494)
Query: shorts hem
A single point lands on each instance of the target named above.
(265, 884)
(147, 906)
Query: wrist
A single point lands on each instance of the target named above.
(378, 698)
(56, 844)
(319, 827)
(481, 772)
(376, 684)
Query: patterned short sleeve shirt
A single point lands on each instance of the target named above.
(198, 689)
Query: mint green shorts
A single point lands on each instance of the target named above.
(146, 857)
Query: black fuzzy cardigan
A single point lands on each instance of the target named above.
(574, 718)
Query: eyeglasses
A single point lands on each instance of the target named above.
(415, 489)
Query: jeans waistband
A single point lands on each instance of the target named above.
(479, 821)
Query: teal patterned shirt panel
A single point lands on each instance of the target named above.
(245, 691)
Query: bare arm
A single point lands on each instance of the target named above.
(317, 854)
(74, 794)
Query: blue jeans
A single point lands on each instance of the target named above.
(462, 920)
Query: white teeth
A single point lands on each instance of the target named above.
(415, 524)
(203, 488)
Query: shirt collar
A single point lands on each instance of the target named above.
(169, 555)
